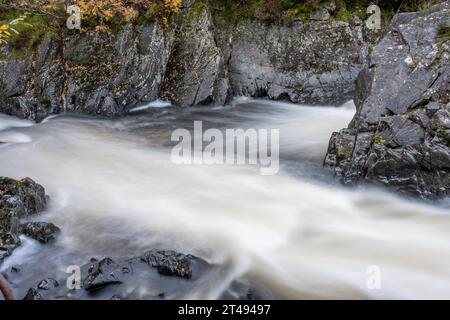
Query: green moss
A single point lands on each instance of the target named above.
(30, 34)
(344, 15)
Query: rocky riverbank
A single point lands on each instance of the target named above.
(103, 278)
(21, 200)
(203, 58)
(400, 134)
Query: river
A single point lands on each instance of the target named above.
(297, 235)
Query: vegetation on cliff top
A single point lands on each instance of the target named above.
(49, 16)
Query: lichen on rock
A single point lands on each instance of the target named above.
(402, 124)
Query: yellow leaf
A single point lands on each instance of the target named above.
(4, 27)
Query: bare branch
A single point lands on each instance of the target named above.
(5, 288)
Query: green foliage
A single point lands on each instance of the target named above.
(28, 32)
(9, 29)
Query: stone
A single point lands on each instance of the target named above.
(42, 231)
(321, 14)
(48, 284)
(402, 100)
(103, 273)
(18, 199)
(170, 263)
(33, 294)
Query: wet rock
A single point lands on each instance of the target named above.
(18, 199)
(42, 231)
(124, 278)
(11, 210)
(170, 263)
(48, 284)
(31, 194)
(33, 294)
(102, 273)
(403, 112)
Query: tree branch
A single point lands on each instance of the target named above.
(5, 288)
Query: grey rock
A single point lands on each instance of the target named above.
(402, 101)
(31, 194)
(194, 65)
(310, 62)
(18, 199)
(42, 231)
(321, 14)
(102, 273)
(202, 59)
(109, 74)
(48, 284)
(33, 294)
(170, 263)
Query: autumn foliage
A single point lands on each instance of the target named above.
(104, 11)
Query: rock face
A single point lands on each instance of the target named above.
(93, 73)
(400, 134)
(194, 75)
(20, 199)
(106, 73)
(303, 62)
(202, 59)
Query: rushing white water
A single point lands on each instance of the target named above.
(296, 235)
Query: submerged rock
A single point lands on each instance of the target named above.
(42, 231)
(400, 134)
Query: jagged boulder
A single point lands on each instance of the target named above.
(18, 199)
(44, 232)
(170, 263)
(399, 136)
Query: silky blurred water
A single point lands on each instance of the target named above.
(297, 235)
